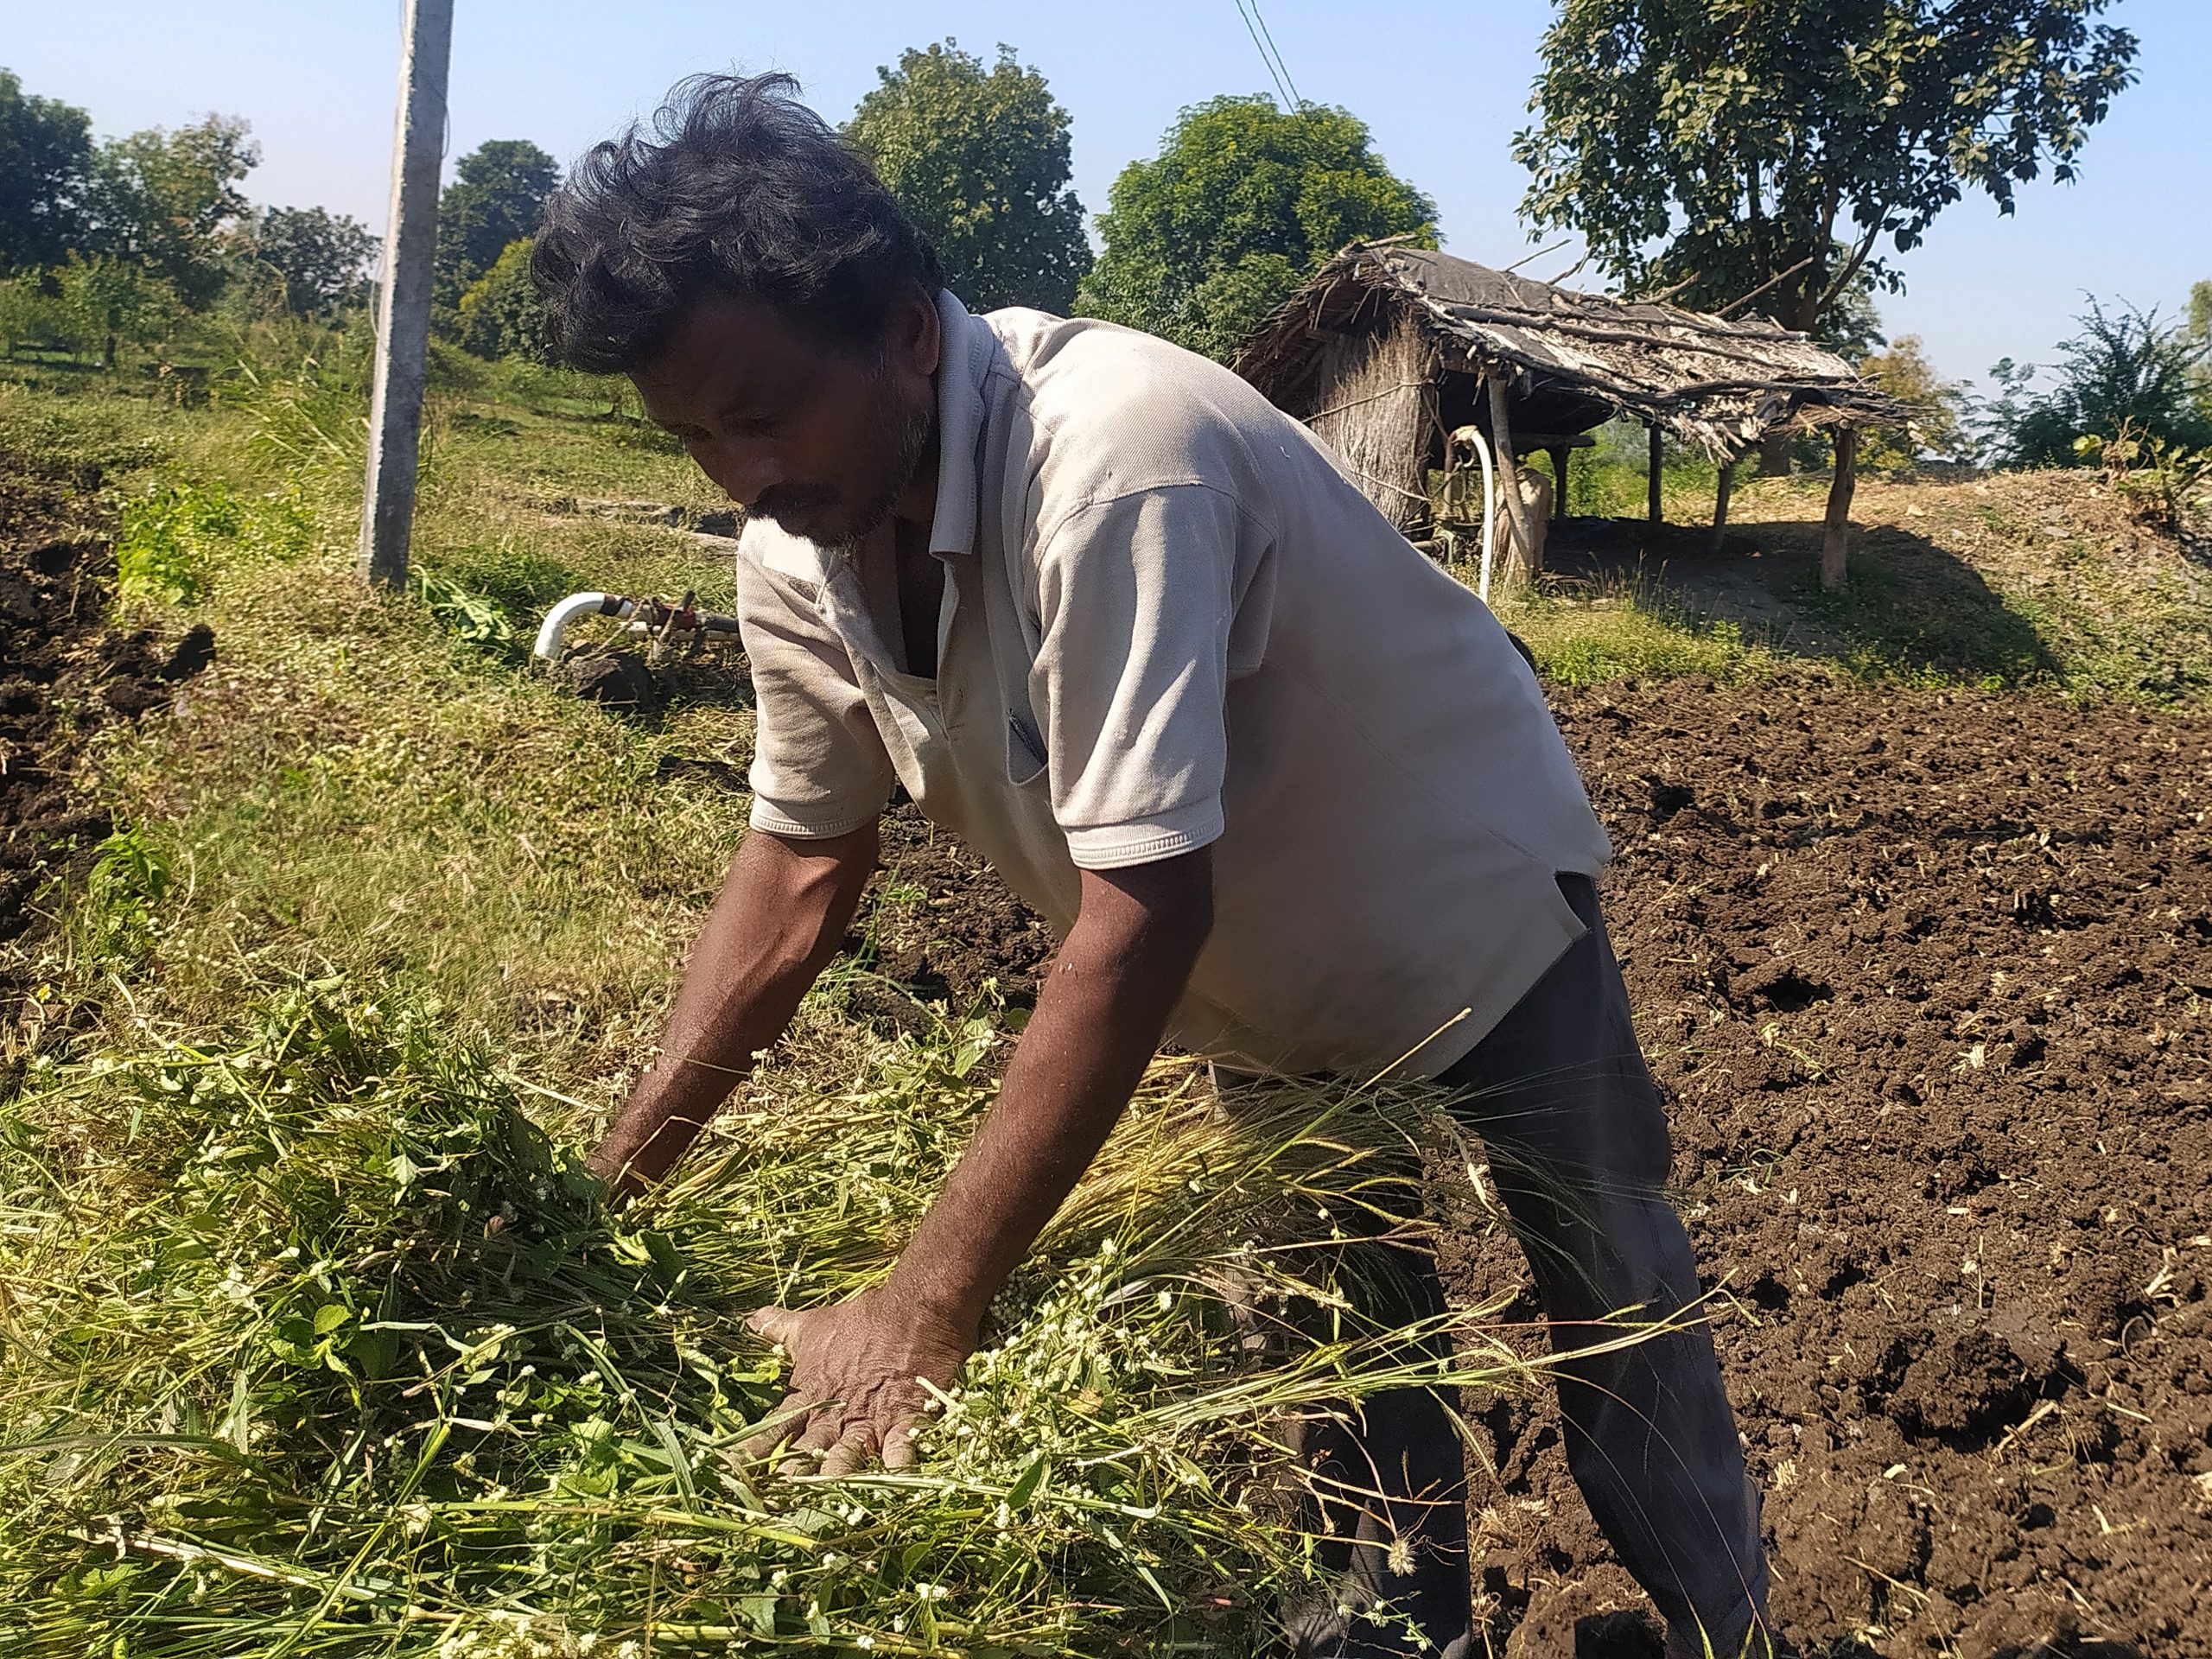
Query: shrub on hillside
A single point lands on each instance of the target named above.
(2125, 371)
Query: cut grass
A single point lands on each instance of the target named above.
(274, 1386)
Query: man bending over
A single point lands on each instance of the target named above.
(1285, 791)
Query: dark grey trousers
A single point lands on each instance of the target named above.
(1578, 1145)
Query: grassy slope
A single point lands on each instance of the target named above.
(352, 790)
(2039, 582)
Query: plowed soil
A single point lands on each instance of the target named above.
(1927, 980)
(64, 672)
(1926, 976)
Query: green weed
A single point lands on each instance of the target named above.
(162, 553)
(474, 618)
(124, 891)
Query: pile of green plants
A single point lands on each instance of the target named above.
(314, 1343)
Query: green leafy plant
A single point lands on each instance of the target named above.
(476, 619)
(124, 892)
(2167, 489)
(1243, 202)
(163, 551)
(1722, 146)
(978, 157)
(328, 1349)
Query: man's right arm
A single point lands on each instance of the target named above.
(785, 907)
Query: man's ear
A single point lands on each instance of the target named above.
(918, 333)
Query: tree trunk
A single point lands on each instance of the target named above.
(1799, 311)
(1835, 538)
(1559, 453)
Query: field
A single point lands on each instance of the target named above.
(1914, 896)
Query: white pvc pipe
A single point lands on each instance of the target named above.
(1489, 514)
(576, 605)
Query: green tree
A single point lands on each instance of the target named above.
(319, 259)
(1934, 408)
(2200, 310)
(2124, 369)
(497, 201)
(164, 200)
(111, 301)
(1722, 143)
(1242, 203)
(979, 158)
(501, 315)
(46, 172)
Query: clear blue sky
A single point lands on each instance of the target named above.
(1444, 87)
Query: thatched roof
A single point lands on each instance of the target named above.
(1573, 358)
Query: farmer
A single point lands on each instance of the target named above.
(1284, 791)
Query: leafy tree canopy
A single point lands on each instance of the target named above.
(497, 201)
(1934, 409)
(501, 315)
(112, 302)
(46, 172)
(320, 258)
(1242, 203)
(163, 200)
(979, 158)
(2126, 371)
(1722, 142)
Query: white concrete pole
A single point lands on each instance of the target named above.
(404, 317)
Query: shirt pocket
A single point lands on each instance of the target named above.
(1025, 753)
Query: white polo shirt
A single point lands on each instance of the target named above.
(1171, 621)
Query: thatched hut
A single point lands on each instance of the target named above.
(1389, 351)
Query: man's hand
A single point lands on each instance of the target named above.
(855, 1394)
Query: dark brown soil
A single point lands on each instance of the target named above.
(64, 672)
(1927, 978)
(940, 927)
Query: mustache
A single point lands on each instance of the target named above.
(778, 504)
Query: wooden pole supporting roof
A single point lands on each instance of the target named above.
(1835, 533)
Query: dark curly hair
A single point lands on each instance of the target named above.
(737, 188)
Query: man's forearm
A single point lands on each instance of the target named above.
(783, 909)
(1098, 1021)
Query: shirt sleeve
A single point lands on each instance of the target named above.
(819, 766)
(1136, 598)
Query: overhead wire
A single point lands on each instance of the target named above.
(1263, 41)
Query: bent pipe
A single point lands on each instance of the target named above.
(555, 626)
(646, 616)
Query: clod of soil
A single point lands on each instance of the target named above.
(618, 678)
(1926, 977)
(939, 922)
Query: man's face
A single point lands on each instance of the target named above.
(820, 440)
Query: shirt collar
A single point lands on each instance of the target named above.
(963, 364)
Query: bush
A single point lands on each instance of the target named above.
(2124, 371)
(32, 313)
(501, 315)
(1935, 410)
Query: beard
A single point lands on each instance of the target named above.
(839, 522)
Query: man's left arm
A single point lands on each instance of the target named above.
(1098, 1021)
